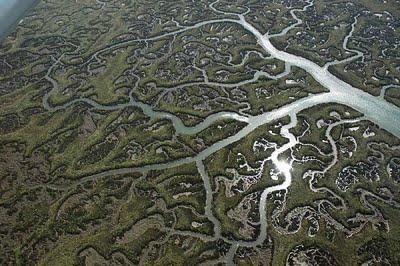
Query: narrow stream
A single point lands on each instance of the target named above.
(375, 109)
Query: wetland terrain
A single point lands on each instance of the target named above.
(201, 132)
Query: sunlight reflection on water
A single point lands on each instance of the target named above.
(283, 167)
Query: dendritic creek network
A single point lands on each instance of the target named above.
(199, 132)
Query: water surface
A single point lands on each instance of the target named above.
(11, 12)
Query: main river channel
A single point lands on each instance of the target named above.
(375, 109)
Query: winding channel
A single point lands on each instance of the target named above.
(375, 109)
